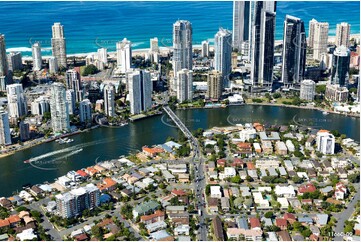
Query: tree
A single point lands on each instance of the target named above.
(354, 178)
(97, 232)
(90, 70)
(321, 89)
(46, 116)
(236, 179)
(277, 95)
(127, 211)
(268, 214)
(297, 179)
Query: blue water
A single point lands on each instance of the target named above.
(90, 25)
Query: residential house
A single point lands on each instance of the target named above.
(218, 229)
(225, 204)
(227, 173)
(267, 147)
(213, 205)
(340, 191)
(216, 192)
(281, 223)
(244, 148)
(285, 191)
(291, 218)
(255, 223)
(157, 216)
(284, 235)
(267, 163)
(306, 188)
(281, 148)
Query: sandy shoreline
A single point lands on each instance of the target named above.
(165, 50)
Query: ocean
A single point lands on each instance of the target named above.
(91, 25)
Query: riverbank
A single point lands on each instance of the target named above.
(305, 107)
(34, 143)
(39, 141)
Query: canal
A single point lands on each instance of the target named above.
(107, 143)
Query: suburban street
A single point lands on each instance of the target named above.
(345, 215)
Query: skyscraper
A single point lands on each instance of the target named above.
(73, 82)
(294, 51)
(85, 110)
(124, 55)
(153, 53)
(154, 44)
(103, 55)
(59, 108)
(182, 48)
(205, 48)
(311, 32)
(140, 91)
(24, 131)
(3, 64)
(308, 90)
(241, 23)
(40, 105)
(3, 58)
(340, 66)
(343, 34)
(185, 85)
(318, 38)
(109, 94)
(58, 44)
(264, 63)
(70, 100)
(15, 61)
(37, 61)
(5, 137)
(16, 101)
(255, 12)
(53, 65)
(214, 83)
(223, 54)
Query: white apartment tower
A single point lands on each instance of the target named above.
(185, 85)
(205, 48)
(109, 95)
(15, 61)
(241, 23)
(58, 44)
(53, 65)
(308, 90)
(124, 55)
(343, 34)
(223, 55)
(36, 52)
(16, 101)
(318, 38)
(59, 108)
(140, 91)
(103, 55)
(73, 82)
(182, 48)
(325, 142)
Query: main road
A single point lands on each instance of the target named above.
(199, 178)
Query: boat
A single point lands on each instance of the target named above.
(324, 113)
(64, 141)
(26, 161)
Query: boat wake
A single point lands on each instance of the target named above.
(69, 149)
